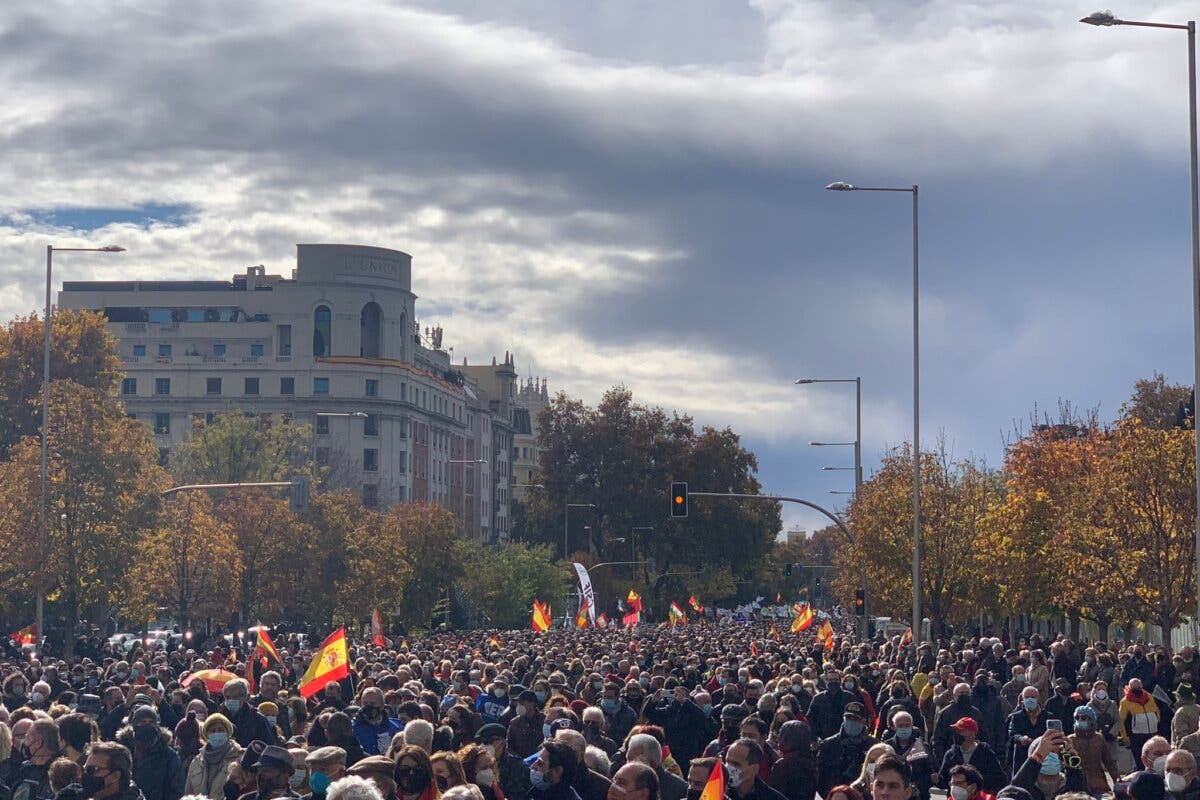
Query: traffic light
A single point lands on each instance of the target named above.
(679, 499)
(298, 494)
(787, 569)
(860, 602)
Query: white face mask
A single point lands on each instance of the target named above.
(1100, 694)
(959, 793)
(1159, 765)
(1175, 782)
(870, 773)
(485, 777)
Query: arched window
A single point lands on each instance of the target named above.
(322, 336)
(369, 324)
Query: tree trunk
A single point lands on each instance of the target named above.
(1103, 622)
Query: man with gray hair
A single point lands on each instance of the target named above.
(352, 787)
(960, 707)
(587, 784)
(420, 733)
(248, 724)
(645, 749)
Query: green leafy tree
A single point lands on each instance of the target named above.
(505, 580)
(236, 448)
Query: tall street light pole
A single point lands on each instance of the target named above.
(842, 186)
(1106, 19)
(566, 523)
(43, 527)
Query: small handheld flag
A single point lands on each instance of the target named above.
(541, 620)
(715, 788)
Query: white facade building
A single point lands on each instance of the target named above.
(337, 338)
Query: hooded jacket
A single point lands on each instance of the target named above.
(157, 770)
(1138, 715)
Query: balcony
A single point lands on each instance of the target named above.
(135, 327)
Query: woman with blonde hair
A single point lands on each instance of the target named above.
(447, 770)
(867, 776)
(210, 769)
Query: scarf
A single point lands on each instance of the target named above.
(218, 755)
(1140, 697)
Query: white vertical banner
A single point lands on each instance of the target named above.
(585, 591)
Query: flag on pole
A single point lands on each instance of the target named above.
(675, 614)
(495, 641)
(631, 619)
(775, 632)
(602, 620)
(825, 635)
(27, 635)
(635, 601)
(715, 788)
(266, 646)
(754, 648)
(803, 619)
(329, 665)
(906, 639)
(377, 637)
(695, 604)
(581, 619)
(541, 617)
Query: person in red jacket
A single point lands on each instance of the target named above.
(967, 784)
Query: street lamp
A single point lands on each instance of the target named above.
(566, 522)
(43, 528)
(842, 186)
(1107, 19)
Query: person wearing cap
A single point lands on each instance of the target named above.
(1096, 759)
(1061, 706)
(1186, 718)
(970, 751)
(731, 728)
(274, 769)
(513, 774)
(379, 770)
(209, 770)
(525, 730)
(840, 756)
(157, 770)
(828, 707)
(325, 765)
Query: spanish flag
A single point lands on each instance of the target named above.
(825, 635)
(754, 648)
(495, 641)
(26, 635)
(602, 620)
(581, 619)
(715, 788)
(266, 646)
(635, 601)
(541, 617)
(329, 665)
(803, 619)
(906, 639)
(695, 604)
(377, 637)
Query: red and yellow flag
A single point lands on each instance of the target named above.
(329, 665)
(581, 619)
(775, 632)
(602, 620)
(695, 604)
(27, 635)
(541, 617)
(754, 648)
(825, 635)
(495, 641)
(265, 645)
(715, 788)
(803, 619)
(906, 639)
(635, 601)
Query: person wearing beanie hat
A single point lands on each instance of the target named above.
(157, 770)
(208, 771)
(187, 739)
(270, 710)
(1187, 714)
(1096, 759)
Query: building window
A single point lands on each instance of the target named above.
(372, 389)
(218, 351)
(322, 425)
(139, 351)
(371, 425)
(370, 495)
(370, 323)
(162, 423)
(370, 460)
(283, 340)
(162, 386)
(129, 387)
(403, 392)
(403, 428)
(251, 386)
(403, 461)
(322, 331)
(212, 386)
(320, 385)
(257, 350)
(287, 385)
(164, 351)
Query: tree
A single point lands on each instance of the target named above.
(1156, 403)
(378, 568)
(236, 448)
(81, 351)
(104, 484)
(954, 499)
(428, 533)
(190, 564)
(505, 580)
(277, 552)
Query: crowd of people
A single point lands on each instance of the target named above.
(652, 713)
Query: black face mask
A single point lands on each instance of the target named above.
(964, 700)
(91, 784)
(411, 780)
(694, 794)
(442, 783)
(145, 734)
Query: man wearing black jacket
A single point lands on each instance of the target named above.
(683, 722)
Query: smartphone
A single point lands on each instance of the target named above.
(1054, 725)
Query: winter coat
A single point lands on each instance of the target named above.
(794, 776)
(1138, 716)
(1021, 724)
(248, 725)
(209, 779)
(685, 726)
(840, 759)
(983, 758)
(375, 737)
(1186, 721)
(157, 770)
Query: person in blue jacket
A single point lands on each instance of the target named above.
(372, 727)
(492, 704)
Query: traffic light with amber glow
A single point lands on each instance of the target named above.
(679, 499)
(860, 602)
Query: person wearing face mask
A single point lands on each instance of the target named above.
(209, 770)
(1139, 668)
(108, 774)
(1186, 718)
(826, 711)
(1024, 725)
(962, 706)
(617, 713)
(593, 731)
(32, 780)
(325, 765)
(274, 769)
(866, 776)
(967, 784)
(525, 728)
(372, 727)
(1043, 773)
(681, 719)
(511, 770)
(900, 699)
(794, 773)
(1061, 706)
(840, 756)
(157, 769)
(492, 704)
(553, 772)
(1097, 762)
(1180, 776)
(248, 724)
(16, 690)
(1137, 716)
(742, 781)
(910, 746)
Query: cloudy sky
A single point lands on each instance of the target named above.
(631, 190)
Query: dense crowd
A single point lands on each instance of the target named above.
(614, 714)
